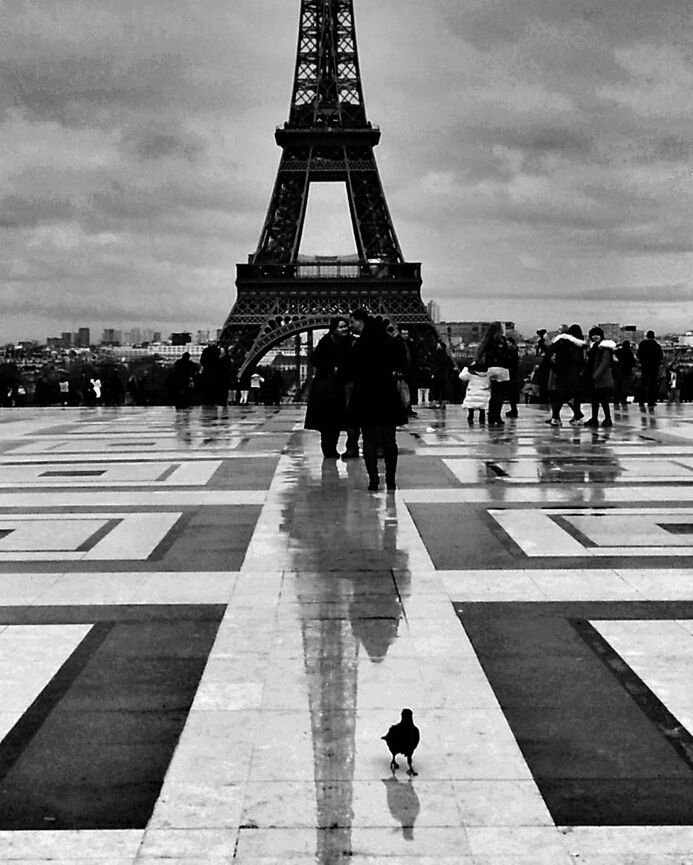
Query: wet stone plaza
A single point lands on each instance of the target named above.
(206, 629)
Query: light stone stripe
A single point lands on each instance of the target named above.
(136, 498)
(127, 474)
(527, 471)
(12, 459)
(157, 445)
(112, 846)
(110, 588)
(51, 537)
(230, 739)
(590, 495)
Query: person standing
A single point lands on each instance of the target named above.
(497, 361)
(623, 373)
(184, 373)
(513, 383)
(650, 356)
(375, 404)
(673, 383)
(441, 375)
(600, 380)
(256, 382)
(423, 384)
(411, 364)
(327, 401)
(210, 374)
(476, 397)
(565, 359)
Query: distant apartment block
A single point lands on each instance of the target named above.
(110, 336)
(458, 334)
(82, 338)
(434, 311)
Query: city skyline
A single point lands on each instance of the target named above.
(536, 157)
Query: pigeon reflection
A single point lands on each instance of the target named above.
(403, 803)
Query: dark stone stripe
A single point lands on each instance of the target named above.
(98, 535)
(601, 748)
(669, 726)
(24, 730)
(93, 749)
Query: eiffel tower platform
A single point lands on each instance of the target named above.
(205, 629)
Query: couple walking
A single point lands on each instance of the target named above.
(357, 369)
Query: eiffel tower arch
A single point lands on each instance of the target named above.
(326, 139)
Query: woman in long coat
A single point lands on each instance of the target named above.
(327, 401)
(376, 405)
(600, 380)
(565, 359)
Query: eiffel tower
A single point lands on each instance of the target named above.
(326, 139)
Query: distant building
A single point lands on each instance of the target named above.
(618, 332)
(82, 338)
(202, 337)
(66, 339)
(458, 334)
(110, 336)
(632, 333)
(433, 311)
(612, 330)
(181, 338)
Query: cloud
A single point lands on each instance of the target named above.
(537, 149)
(659, 84)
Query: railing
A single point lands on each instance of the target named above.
(316, 270)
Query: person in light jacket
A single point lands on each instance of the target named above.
(478, 391)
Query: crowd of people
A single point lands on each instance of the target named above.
(368, 377)
(572, 370)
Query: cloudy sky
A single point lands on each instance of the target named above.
(537, 156)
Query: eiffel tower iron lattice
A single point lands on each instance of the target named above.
(326, 139)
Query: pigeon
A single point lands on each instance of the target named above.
(403, 738)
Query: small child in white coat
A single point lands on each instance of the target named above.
(478, 390)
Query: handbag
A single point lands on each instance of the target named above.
(403, 391)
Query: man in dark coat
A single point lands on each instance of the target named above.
(411, 366)
(623, 373)
(650, 356)
(184, 372)
(327, 401)
(376, 405)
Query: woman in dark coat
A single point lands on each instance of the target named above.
(566, 360)
(441, 375)
(376, 405)
(326, 410)
(600, 380)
